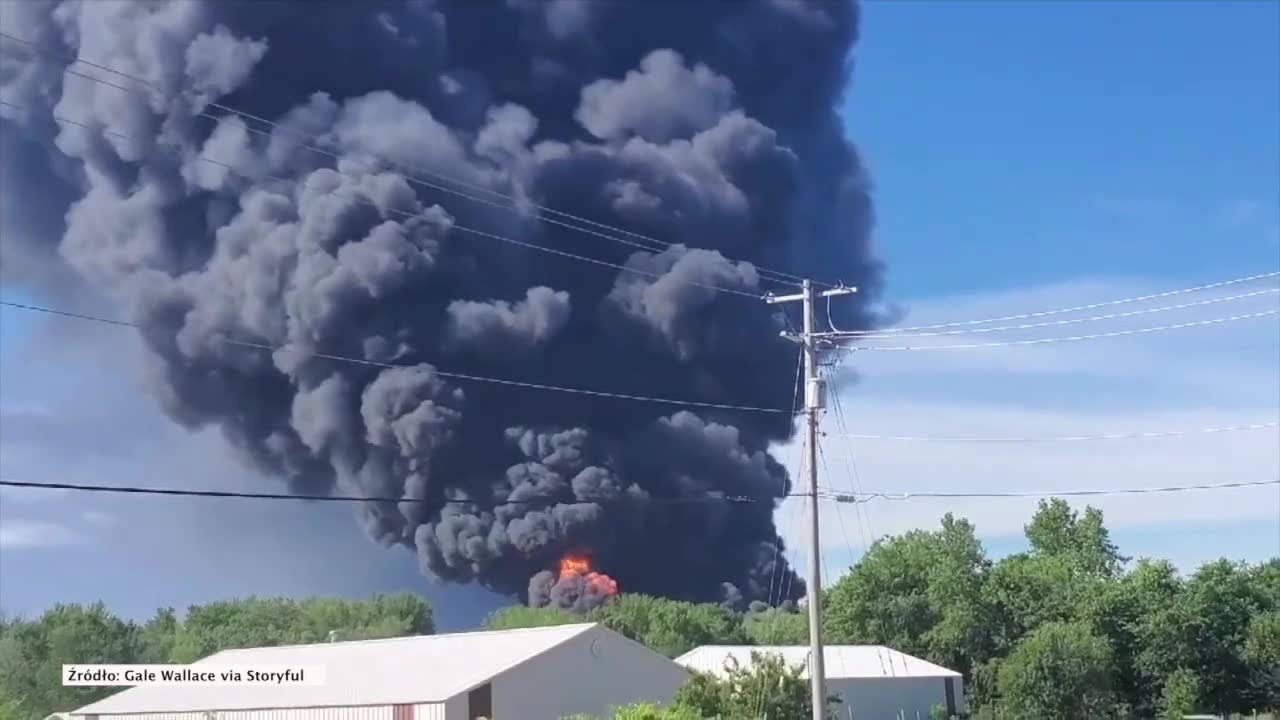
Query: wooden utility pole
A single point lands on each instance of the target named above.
(814, 401)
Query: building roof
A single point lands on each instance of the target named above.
(842, 661)
(418, 669)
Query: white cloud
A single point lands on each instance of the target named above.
(19, 411)
(1213, 376)
(18, 534)
(1193, 357)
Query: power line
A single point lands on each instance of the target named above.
(1054, 438)
(782, 583)
(441, 373)
(1059, 311)
(851, 462)
(1075, 338)
(823, 494)
(777, 545)
(1069, 321)
(182, 492)
(864, 497)
(405, 214)
(844, 532)
(510, 202)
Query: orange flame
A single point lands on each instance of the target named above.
(575, 565)
(597, 582)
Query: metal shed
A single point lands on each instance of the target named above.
(528, 674)
(874, 682)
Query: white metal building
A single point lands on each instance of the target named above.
(874, 682)
(528, 674)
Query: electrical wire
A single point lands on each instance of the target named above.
(777, 545)
(864, 497)
(1059, 311)
(1075, 338)
(784, 582)
(185, 492)
(1055, 438)
(862, 513)
(509, 202)
(408, 215)
(892, 671)
(828, 576)
(844, 533)
(441, 373)
(834, 496)
(1068, 321)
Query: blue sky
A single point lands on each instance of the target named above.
(1026, 156)
(1015, 144)
(1030, 156)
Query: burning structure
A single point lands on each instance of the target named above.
(385, 201)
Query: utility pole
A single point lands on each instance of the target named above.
(814, 401)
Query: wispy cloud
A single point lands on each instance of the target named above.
(19, 534)
(1190, 378)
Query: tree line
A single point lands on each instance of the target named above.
(32, 652)
(1068, 629)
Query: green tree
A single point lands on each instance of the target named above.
(1204, 631)
(1119, 610)
(921, 593)
(381, 616)
(1026, 590)
(522, 616)
(671, 627)
(261, 622)
(776, 626)
(1180, 696)
(644, 711)
(9, 709)
(1060, 671)
(767, 688)
(1057, 531)
(32, 654)
(1070, 564)
(1262, 652)
(158, 636)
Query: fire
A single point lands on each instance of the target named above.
(595, 583)
(575, 565)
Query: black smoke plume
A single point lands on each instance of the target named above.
(712, 126)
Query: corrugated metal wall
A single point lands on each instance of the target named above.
(430, 711)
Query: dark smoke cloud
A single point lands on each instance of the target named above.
(571, 591)
(712, 126)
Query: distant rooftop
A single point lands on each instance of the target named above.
(842, 661)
